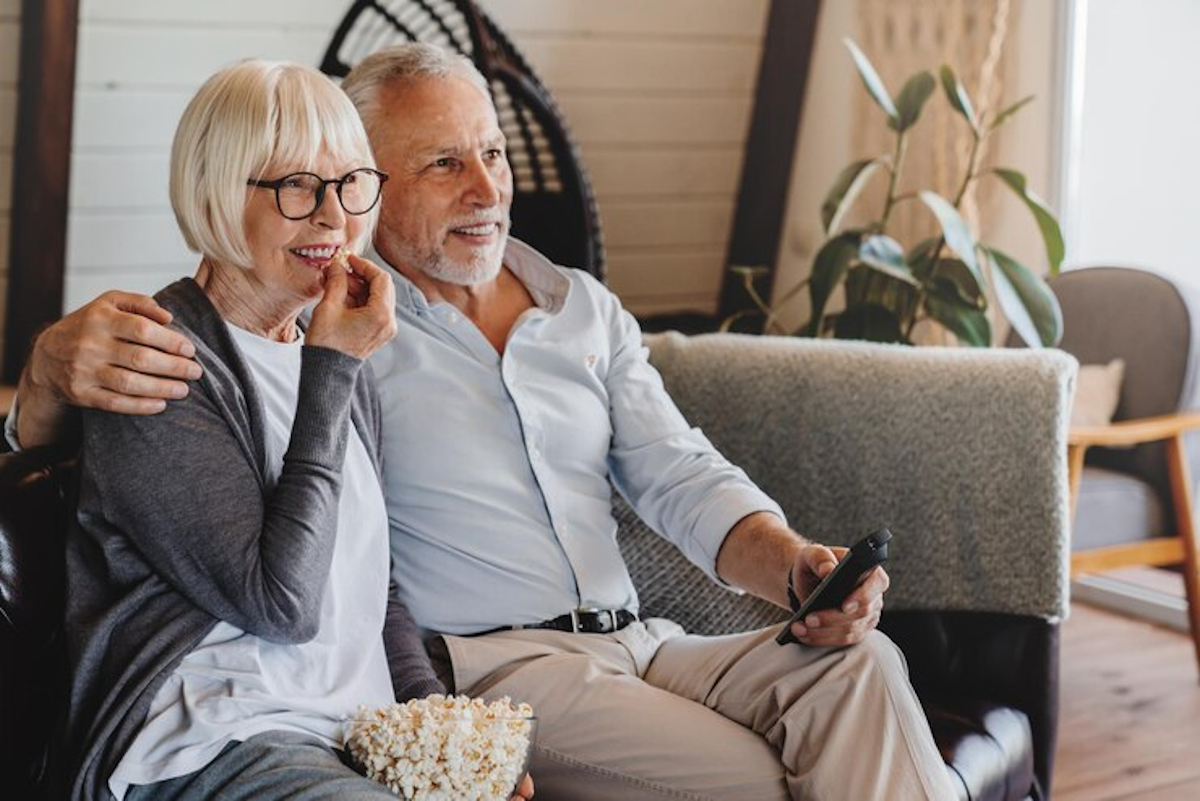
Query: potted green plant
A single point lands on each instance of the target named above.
(889, 288)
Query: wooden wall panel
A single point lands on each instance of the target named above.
(682, 272)
(628, 171)
(87, 284)
(128, 121)
(669, 122)
(655, 224)
(661, 19)
(8, 116)
(121, 238)
(138, 178)
(640, 66)
(224, 14)
(6, 180)
(117, 57)
(10, 36)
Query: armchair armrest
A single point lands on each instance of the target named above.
(961, 452)
(1128, 432)
(1135, 432)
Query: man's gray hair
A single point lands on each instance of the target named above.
(403, 64)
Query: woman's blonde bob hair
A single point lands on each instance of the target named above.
(250, 121)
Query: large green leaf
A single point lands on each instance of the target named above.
(960, 283)
(869, 321)
(956, 93)
(920, 257)
(1003, 116)
(1026, 300)
(829, 269)
(911, 100)
(871, 79)
(884, 254)
(845, 191)
(1047, 224)
(971, 326)
(957, 234)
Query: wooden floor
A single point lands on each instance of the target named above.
(1130, 724)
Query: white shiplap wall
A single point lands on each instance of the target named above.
(658, 94)
(10, 20)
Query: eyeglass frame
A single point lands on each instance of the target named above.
(322, 186)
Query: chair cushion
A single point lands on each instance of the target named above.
(1115, 508)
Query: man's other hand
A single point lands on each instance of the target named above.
(115, 354)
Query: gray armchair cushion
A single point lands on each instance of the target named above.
(1115, 508)
(961, 452)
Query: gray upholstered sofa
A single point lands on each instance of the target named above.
(962, 454)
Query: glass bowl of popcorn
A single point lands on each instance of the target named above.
(444, 748)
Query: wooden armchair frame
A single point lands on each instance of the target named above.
(1159, 551)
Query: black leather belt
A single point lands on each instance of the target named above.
(587, 621)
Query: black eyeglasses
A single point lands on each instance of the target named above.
(300, 194)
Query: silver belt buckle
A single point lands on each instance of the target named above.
(599, 613)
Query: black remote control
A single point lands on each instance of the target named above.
(863, 557)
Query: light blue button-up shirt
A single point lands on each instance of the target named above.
(497, 467)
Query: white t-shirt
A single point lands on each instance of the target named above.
(234, 685)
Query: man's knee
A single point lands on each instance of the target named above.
(876, 660)
(883, 654)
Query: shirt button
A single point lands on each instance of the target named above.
(452, 318)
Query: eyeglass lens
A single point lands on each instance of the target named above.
(301, 193)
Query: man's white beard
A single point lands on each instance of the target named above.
(482, 268)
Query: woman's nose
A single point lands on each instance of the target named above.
(329, 212)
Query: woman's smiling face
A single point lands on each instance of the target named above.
(288, 257)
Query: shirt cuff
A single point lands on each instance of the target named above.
(707, 540)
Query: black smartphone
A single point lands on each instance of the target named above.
(863, 557)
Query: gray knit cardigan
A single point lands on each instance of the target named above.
(178, 529)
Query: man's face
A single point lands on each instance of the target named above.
(445, 207)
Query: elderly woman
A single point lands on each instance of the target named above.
(230, 600)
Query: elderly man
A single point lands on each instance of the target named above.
(512, 395)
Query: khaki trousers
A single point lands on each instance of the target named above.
(651, 712)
